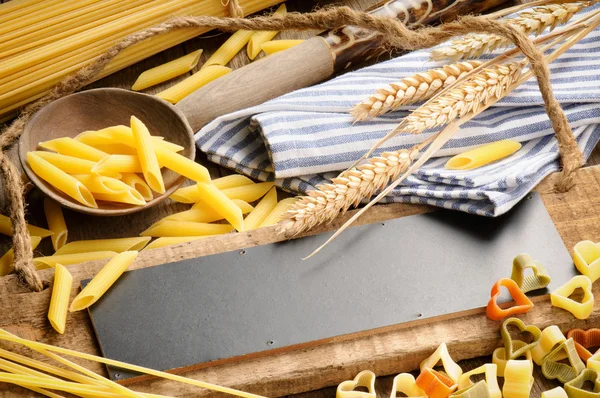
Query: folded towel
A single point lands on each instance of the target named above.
(304, 138)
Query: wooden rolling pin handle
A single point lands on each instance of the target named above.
(259, 81)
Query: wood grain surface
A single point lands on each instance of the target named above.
(575, 214)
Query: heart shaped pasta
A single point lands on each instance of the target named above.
(406, 384)
(553, 368)
(511, 353)
(584, 339)
(347, 389)
(540, 278)
(522, 303)
(560, 297)
(586, 256)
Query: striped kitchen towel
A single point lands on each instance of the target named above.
(306, 137)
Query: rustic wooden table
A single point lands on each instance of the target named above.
(87, 227)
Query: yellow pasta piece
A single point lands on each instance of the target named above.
(229, 49)
(248, 193)
(102, 184)
(138, 183)
(167, 71)
(121, 135)
(258, 38)
(518, 379)
(112, 164)
(215, 199)
(190, 193)
(174, 240)
(6, 228)
(186, 228)
(182, 165)
(179, 91)
(147, 155)
(56, 223)
(7, 260)
(118, 245)
(274, 46)
(61, 180)
(131, 196)
(116, 149)
(70, 259)
(61, 293)
(70, 164)
(206, 213)
(70, 147)
(262, 209)
(275, 215)
(103, 280)
(483, 155)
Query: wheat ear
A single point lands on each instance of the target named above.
(419, 87)
(329, 200)
(531, 22)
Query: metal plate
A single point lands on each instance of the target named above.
(266, 297)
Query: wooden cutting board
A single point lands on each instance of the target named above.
(266, 298)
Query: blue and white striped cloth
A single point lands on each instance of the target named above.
(304, 138)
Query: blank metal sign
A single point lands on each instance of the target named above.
(266, 297)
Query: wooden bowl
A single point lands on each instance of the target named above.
(97, 109)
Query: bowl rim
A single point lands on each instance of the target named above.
(70, 203)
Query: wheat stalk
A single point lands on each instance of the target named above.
(419, 87)
(533, 21)
(488, 85)
(329, 200)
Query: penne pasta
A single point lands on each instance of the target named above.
(262, 209)
(206, 213)
(184, 228)
(177, 92)
(190, 193)
(118, 245)
(56, 223)
(174, 240)
(131, 196)
(61, 293)
(6, 228)
(248, 193)
(70, 164)
(147, 155)
(69, 259)
(258, 38)
(167, 71)
(229, 49)
(121, 164)
(138, 183)
(116, 149)
(275, 215)
(70, 147)
(483, 155)
(8, 259)
(212, 197)
(121, 135)
(182, 165)
(101, 184)
(274, 46)
(60, 180)
(103, 280)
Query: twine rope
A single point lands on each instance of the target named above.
(395, 35)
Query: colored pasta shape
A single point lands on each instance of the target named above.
(118, 245)
(274, 46)
(483, 155)
(147, 155)
(262, 209)
(56, 223)
(61, 180)
(176, 93)
(167, 71)
(215, 199)
(103, 280)
(61, 293)
(259, 38)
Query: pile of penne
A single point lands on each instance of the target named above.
(108, 165)
(214, 67)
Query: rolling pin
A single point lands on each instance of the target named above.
(314, 60)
